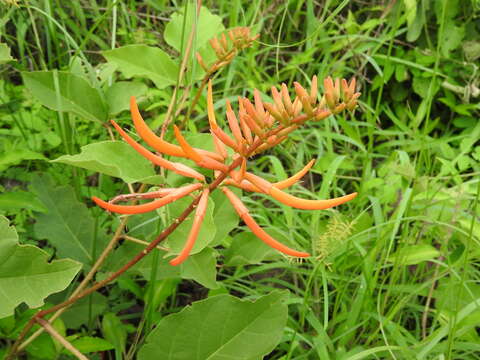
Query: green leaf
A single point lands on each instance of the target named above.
(17, 156)
(114, 158)
(26, 275)
(452, 37)
(17, 200)
(202, 268)
(225, 217)
(177, 239)
(144, 61)
(88, 344)
(118, 95)
(246, 249)
(220, 327)
(5, 54)
(414, 254)
(68, 225)
(208, 26)
(63, 91)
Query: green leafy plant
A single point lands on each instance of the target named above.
(392, 274)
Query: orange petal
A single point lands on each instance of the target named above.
(192, 236)
(234, 126)
(256, 229)
(305, 204)
(293, 179)
(201, 160)
(157, 160)
(139, 209)
(155, 141)
(247, 133)
(210, 109)
(286, 100)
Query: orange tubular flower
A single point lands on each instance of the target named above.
(294, 201)
(180, 169)
(139, 209)
(197, 223)
(191, 153)
(156, 142)
(242, 211)
(248, 186)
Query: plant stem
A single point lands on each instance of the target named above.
(181, 72)
(51, 330)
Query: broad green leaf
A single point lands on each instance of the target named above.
(220, 327)
(207, 232)
(208, 25)
(88, 344)
(410, 11)
(118, 95)
(114, 158)
(63, 91)
(225, 217)
(16, 200)
(5, 54)
(246, 249)
(68, 225)
(144, 61)
(414, 254)
(8, 240)
(17, 156)
(126, 251)
(26, 275)
(201, 267)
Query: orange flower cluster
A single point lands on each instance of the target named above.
(226, 50)
(256, 127)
